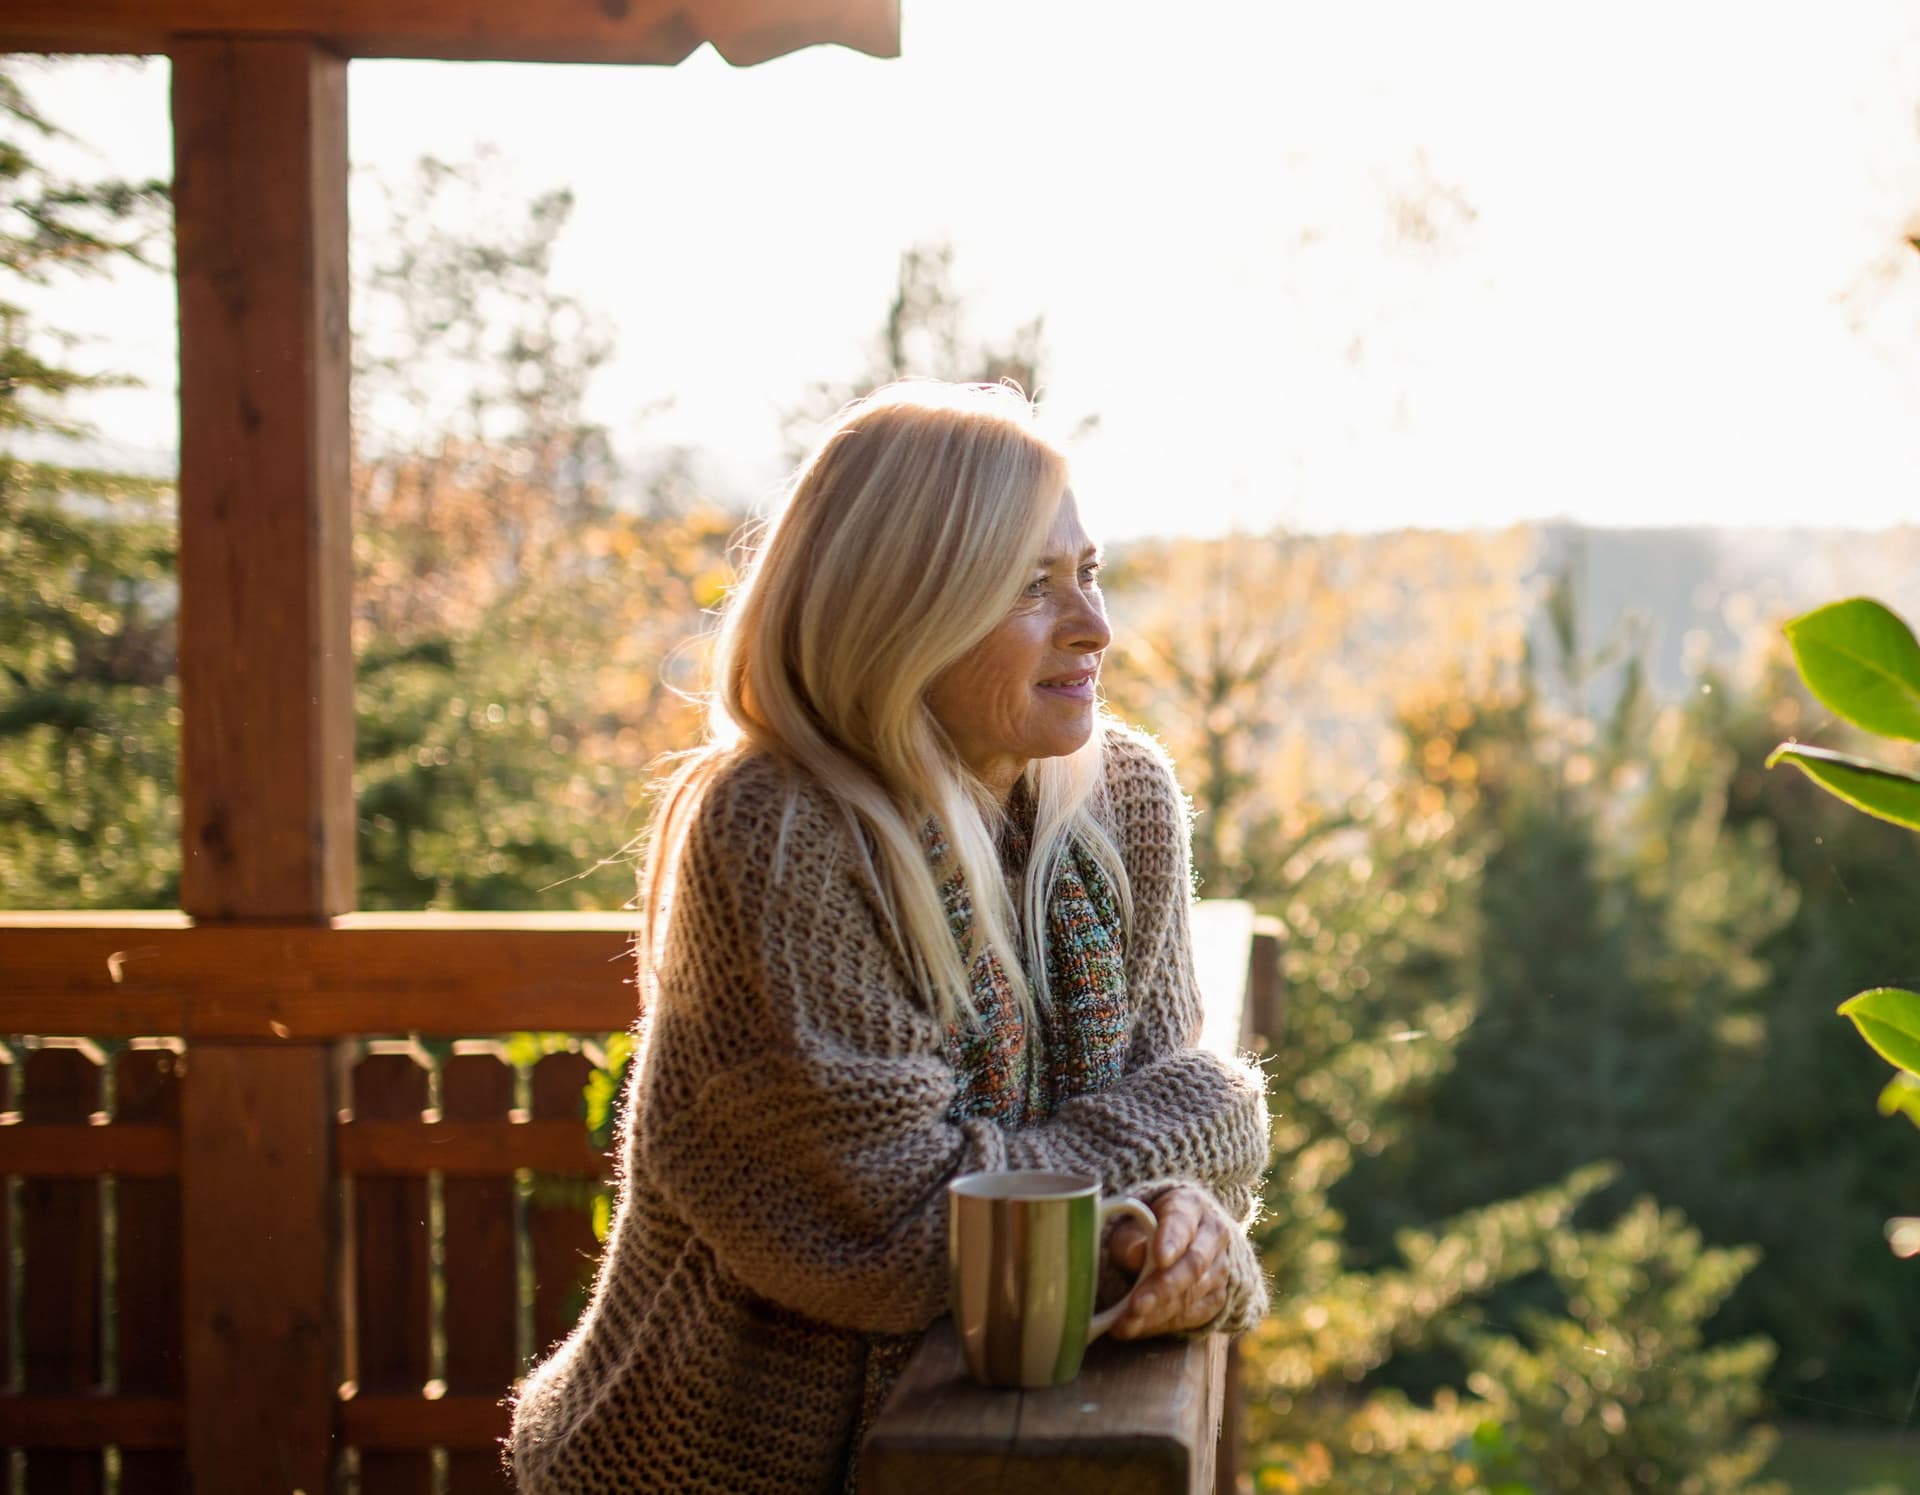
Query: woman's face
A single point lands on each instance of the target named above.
(1026, 690)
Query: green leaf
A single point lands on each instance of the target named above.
(1902, 1097)
(1861, 661)
(1872, 787)
(1889, 1019)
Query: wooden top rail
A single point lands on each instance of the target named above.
(1141, 1418)
(126, 975)
(440, 975)
(632, 31)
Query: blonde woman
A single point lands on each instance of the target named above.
(918, 909)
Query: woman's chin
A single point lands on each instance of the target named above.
(1067, 740)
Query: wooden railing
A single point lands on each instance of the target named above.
(453, 1264)
(448, 1262)
(1144, 1418)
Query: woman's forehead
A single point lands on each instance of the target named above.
(1068, 537)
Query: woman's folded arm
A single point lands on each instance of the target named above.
(794, 1106)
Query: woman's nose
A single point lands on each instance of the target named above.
(1084, 629)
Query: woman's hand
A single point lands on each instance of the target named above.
(1188, 1286)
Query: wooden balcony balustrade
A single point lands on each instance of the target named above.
(459, 1252)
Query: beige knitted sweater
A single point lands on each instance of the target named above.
(779, 1239)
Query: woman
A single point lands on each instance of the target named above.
(919, 909)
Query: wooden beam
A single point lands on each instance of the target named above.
(1140, 1419)
(458, 1149)
(464, 1149)
(266, 582)
(266, 685)
(445, 975)
(420, 1422)
(260, 1223)
(132, 1422)
(81, 1151)
(643, 31)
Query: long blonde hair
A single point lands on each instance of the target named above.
(906, 536)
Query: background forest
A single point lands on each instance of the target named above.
(1577, 1185)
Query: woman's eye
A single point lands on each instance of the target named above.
(1037, 587)
(1090, 574)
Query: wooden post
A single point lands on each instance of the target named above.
(266, 683)
(266, 583)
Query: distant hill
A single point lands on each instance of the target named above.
(1714, 597)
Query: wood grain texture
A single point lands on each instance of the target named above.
(60, 1232)
(151, 1345)
(1228, 1454)
(466, 1150)
(639, 31)
(476, 1150)
(139, 1423)
(559, 1233)
(391, 1306)
(1266, 990)
(9, 1280)
(417, 1422)
(438, 975)
(266, 657)
(1140, 1419)
(77, 1150)
(476, 1090)
(260, 1223)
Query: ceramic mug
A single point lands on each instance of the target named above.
(1023, 1250)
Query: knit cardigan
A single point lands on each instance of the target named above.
(779, 1239)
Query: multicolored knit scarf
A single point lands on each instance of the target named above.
(1083, 1026)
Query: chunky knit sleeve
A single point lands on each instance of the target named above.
(793, 1102)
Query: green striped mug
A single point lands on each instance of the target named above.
(1023, 1252)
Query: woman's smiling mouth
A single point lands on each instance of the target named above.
(1075, 687)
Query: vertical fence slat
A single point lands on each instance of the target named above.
(150, 1345)
(481, 1287)
(560, 1236)
(8, 1100)
(391, 1292)
(1266, 990)
(61, 1308)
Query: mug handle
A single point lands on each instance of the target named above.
(1105, 1320)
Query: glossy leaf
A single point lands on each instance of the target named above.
(1889, 1019)
(1872, 787)
(1862, 662)
(1902, 1097)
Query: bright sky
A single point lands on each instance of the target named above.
(1662, 280)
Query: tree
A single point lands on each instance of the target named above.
(1274, 666)
(1447, 1350)
(528, 620)
(924, 335)
(88, 720)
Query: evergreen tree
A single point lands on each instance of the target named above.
(1804, 1142)
(528, 620)
(88, 714)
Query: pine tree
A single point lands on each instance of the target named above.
(88, 720)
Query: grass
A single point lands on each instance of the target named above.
(1816, 1461)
